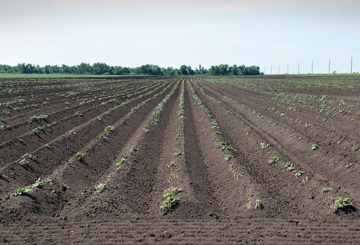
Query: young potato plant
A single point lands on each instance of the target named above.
(326, 190)
(27, 189)
(37, 130)
(223, 145)
(178, 152)
(307, 125)
(171, 200)
(341, 203)
(355, 148)
(2, 175)
(38, 118)
(22, 190)
(171, 165)
(181, 112)
(3, 126)
(299, 173)
(99, 188)
(258, 204)
(146, 129)
(80, 156)
(25, 160)
(123, 160)
(109, 128)
(160, 107)
(78, 113)
(289, 166)
(228, 157)
(273, 159)
(264, 145)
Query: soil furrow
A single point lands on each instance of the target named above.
(13, 149)
(309, 162)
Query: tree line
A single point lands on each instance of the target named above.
(104, 69)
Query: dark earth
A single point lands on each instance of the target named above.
(112, 193)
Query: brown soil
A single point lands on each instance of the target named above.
(230, 196)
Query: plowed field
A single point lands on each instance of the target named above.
(185, 160)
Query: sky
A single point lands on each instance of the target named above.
(267, 33)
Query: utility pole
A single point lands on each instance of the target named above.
(278, 69)
(329, 65)
(298, 68)
(287, 68)
(271, 69)
(312, 67)
(351, 64)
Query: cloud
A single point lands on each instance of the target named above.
(171, 6)
(218, 6)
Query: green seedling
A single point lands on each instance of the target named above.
(307, 125)
(326, 190)
(2, 175)
(355, 148)
(22, 190)
(273, 160)
(40, 183)
(171, 164)
(299, 173)
(237, 174)
(146, 129)
(217, 132)
(79, 156)
(348, 164)
(228, 157)
(171, 199)
(134, 149)
(109, 128)
(99, 188)
(38, 118)
(264, 145)
(181, 114)
(26, 159)
(78, 113)
(123, 160)
(314, 147)
(37, 130)
(248, 203)
(289, 166)
(178, 153)
(223, 145)
(258, 204)
(340, 203)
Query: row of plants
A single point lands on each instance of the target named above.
(225, 147)
(313, 146)
(171, 193)
(108, 112)
(338, 203)
(124, 159)
(81, 155)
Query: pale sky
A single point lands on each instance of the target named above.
(175, 32)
